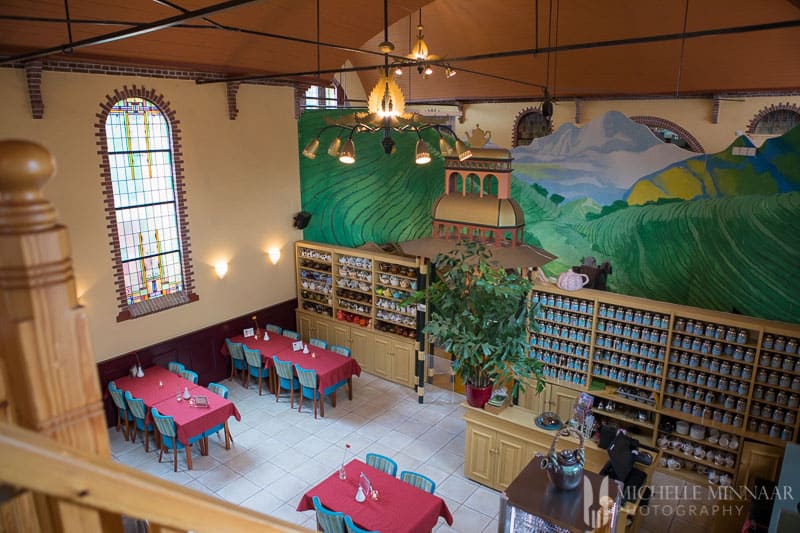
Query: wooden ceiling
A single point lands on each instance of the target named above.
(577, 48)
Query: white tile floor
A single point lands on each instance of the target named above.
(279, 453)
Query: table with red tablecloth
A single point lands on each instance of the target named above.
(159, 388)
(400, 507)
(331, 367)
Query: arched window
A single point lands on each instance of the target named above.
(669, 132)
(145, 203)
(490, 184)
(775, 120)
(529, 125)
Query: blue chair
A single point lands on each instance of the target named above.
(175, 367)
(418, 480)
(381, 462)
(331, 391)
(169, 439)
(341, 350)
(219, 390)
(190, 375)
(308, 389)
(139, 412)
(123, 413)
(272, 328)
(327, 520)
(319, 343)
(255, 366)
(286, 379)
(352, 528)
(238, 364)
(291, 334)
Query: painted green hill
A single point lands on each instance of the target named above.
(774, 168)
(725, 253)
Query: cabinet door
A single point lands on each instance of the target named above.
(361, 348)
(382, 356)
(511, 459)
(758, 460)
(341, 335)
(403, 357)
(563, 400)
(323, 329)
(478, 454)
(305, 326)
(538, 403)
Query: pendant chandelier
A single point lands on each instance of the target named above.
(386, 114)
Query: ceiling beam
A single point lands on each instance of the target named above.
(128, 33)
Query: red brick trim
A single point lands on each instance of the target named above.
(751, 127)
(521, 115)
(33, 74)
(658, 122)
(180, 192)
(233, 90)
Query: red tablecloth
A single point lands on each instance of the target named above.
(189, 421)
(331, 367)
(401, 508)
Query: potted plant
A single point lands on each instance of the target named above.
(479, 313)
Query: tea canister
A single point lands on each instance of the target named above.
(763, 428)
(791, 346)
(701, 379)
(706, 347)
(765, 360)
(794, 401)
(749, 355)
(729, 402)
(629, 315)
(710, 397)
(659, 368)
(776, 362)
(746, 372)
(741, 405)
(667, 403)
(766, 411)
(790, 418)
(696, 345)
(778, 415)
(741, 336)
(698, 328)
(788, 364)
(689, 328)
(716, 349)
(773, 378)
(752, 426)
(796, 384)
(705, 362)
(727, 419)
(755, 409)
(786, 434)
(602, 310)
(662, 337)
(626, 331)
(687, 407)
(723, 384)
(619, 313)
(736, 370)
(742, 388)
(719, 333)
(717, 415)
(761, 377)
(691, 376)
(769, 395)
(738, 421)
(785, 380)
(730, 335)
(758, 393)
(715, 365)
(697, 411)
(559, 301)
(582, 306)
(725, 368)
(709, 332)
(712, 381)
(780, 344)
(647, 319)
(775, 431)
(768, 342)
(682, 374)
(738, 353)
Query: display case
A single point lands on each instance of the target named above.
(314, 279)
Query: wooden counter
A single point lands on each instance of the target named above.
(498, 446)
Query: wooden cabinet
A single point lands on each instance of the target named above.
(393, 359)
(558, 398)
(494, 458)
(758, 461)
(387, 356)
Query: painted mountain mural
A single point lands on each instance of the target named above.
(601, 160)
(717, 231)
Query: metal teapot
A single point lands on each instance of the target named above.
(564, 468)
(572, 281)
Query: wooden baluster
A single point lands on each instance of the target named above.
(48, 374)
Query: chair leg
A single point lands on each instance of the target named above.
(174, 454)
(321, 407)
(291, 395)
(161, 452)
(315, 405)
(333, 399)
(188, 456)
(300, 401)
(260, 378)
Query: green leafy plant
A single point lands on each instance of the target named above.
(479, 313)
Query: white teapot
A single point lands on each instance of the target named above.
(572, 281)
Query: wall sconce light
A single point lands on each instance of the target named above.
(274, 255)
(221, 268)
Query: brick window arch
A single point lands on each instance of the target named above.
(138, 139)
(775, 119)
(530, 124)
(668, 131)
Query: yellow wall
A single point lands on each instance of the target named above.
(692, 114)
(242, 182)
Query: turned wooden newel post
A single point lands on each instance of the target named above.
(49, 376)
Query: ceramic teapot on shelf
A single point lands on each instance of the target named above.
(572, 281)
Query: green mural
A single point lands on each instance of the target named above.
(732, 244)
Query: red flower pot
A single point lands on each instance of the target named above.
(477, 396)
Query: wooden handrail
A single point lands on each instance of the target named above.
(36, 463)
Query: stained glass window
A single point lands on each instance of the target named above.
(143, 183)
